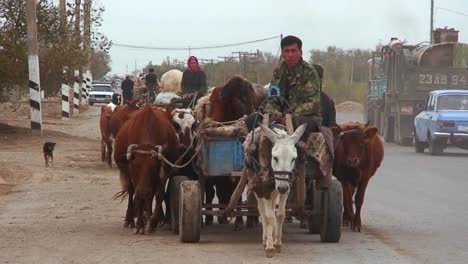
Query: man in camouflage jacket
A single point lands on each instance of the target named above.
(299, 84)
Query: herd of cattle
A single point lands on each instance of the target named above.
(146, 140)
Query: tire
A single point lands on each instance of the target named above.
(389, 135)
(418, 146)
(314, 221)
(174, 201)
(190, 206)
(434, 147)
(332, 213)
(406, 141)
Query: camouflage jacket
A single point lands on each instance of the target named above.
(300, 86)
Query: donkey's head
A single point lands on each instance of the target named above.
(283, 155)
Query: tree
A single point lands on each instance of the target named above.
(345, 72)
(55, 51)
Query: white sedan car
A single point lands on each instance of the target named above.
(100, 93)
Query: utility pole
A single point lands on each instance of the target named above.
(239, 53)
(87, 45)
(65, 88)
(87, 32)
(33, 68)
(226, 59)
(432, 21)
(246, 60)
(77, 39)
(63, 19)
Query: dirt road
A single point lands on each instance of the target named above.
(65, 214)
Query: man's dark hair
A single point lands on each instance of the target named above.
(319, 70)
(151, 69)
(291, 40)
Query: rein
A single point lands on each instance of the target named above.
(157, 153)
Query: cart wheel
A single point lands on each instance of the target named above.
(315, 222)
(332, 201)
(174, 201)
(190, 206)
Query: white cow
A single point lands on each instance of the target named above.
(184, 120)
(283, 157)
(171, 81)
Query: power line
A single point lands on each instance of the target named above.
(192, 48)
(452, 11)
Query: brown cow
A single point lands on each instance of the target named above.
(121, 114)
(143, 175)
(358, 154)
(106, 139)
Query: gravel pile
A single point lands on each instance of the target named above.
(349, 106)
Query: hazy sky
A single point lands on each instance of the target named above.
(343, 23)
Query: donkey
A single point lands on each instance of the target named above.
(283, 158)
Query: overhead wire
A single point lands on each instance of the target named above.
(452, 11)
(116, 44)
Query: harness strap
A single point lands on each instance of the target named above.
(287, 173)
(157, 152)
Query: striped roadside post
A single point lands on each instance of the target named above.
(35, 93)
(33, 68)
(65, 94)
(76, 93)
(89, 79)
(84, 98)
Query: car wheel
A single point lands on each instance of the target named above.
(435, 147)
(418, 145)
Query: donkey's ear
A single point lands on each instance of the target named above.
(298, 133)
(269, 133)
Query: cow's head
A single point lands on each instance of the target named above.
(184, 122)
(143, 165)
(353, 140)
(283, 155)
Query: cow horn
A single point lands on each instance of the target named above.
(130, 149)
(341, 135)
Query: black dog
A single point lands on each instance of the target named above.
(48, 149)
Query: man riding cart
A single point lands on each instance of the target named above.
(294, 90)
(294, 99)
